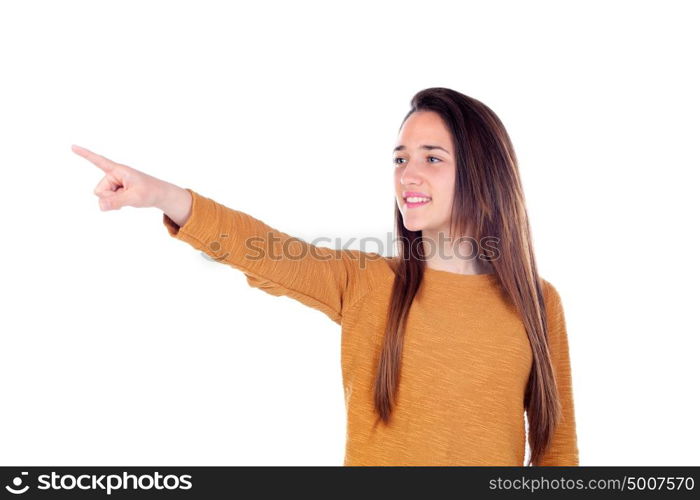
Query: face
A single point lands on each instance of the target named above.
(424, 164)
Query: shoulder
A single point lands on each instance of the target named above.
(554, 306)
(550, 293)
(370, 263)
(369, 268)
(554, 310)
(368, 274)
(383, 268)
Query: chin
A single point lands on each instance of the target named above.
(413, 225)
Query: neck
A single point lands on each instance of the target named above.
(456, 256)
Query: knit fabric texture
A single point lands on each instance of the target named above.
(466, 355)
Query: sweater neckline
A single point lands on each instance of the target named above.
(448, 276)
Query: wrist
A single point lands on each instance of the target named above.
(176, 203)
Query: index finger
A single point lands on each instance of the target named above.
(105, 164)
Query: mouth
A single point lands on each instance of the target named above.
(416, 201)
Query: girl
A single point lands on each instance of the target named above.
(446, 360)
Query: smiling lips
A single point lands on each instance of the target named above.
(415, 205)
(414, 199)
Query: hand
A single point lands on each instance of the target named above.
(122, 185)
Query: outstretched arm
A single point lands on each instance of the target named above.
(326, 279)
(329, 280)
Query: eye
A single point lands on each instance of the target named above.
(396, 160)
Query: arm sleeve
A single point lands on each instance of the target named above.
(563, 450)
(322, 278)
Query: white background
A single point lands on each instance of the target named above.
(121, 345)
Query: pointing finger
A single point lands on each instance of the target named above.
(105, 164)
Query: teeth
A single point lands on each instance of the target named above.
(412, 199)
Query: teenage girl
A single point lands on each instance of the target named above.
(454, 351)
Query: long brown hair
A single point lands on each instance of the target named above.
(489, 200)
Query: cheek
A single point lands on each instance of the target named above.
(443, 184)
(444, 205)
(447, 184)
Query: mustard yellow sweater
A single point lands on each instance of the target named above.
(466, 356)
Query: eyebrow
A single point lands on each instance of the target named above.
(424, 146)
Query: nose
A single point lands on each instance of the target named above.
(410, 174)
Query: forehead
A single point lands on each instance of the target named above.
(424, 127)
